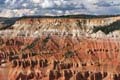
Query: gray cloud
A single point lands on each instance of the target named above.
(11, 8)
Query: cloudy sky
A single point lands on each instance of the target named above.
(15, 8)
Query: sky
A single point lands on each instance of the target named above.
(18, 8)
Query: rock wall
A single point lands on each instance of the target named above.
(61, 58)
(60, 49)
(63, 24)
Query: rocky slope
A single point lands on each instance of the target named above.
(64, 48)
(62, 24)
(87, 26)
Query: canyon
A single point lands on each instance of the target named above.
(60, 48)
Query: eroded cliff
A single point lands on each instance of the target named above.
(61, 49)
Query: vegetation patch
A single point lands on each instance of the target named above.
(69, 54)
(108, 28)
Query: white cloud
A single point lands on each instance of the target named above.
(47, 4)
(58, 7)
(16, 13)
(24, 4)
(36, 1)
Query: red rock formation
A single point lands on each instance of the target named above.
(60, 55)
(62, 58)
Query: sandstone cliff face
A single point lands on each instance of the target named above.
(60, 49)
(61, 58)
(62, 24)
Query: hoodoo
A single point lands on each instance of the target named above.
(61, 48)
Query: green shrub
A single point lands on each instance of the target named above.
(69, 54)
